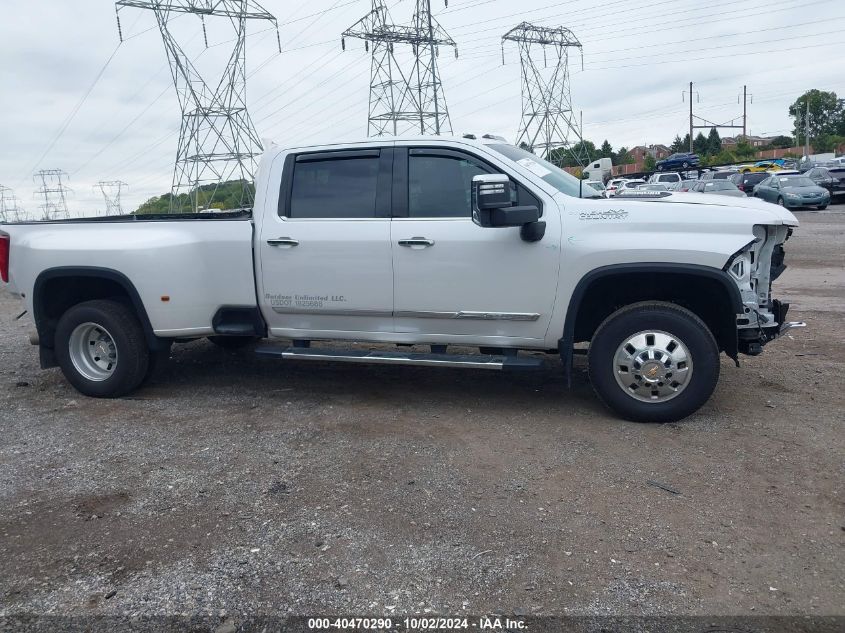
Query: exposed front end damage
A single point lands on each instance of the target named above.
(754, 268)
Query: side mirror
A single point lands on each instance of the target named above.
(492, 206)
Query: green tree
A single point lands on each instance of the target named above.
(678, 144)
(623, 157)
(650, 163)
(827, 114)
(226, 195)
(714, 142)
(581, 152)
(782, 142)
(744, 151)
(700, 145)
(606, 150)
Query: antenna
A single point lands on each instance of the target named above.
(548, 120)
(217, 139)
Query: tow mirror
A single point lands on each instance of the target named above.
(493, 207)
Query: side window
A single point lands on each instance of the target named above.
(441, 186)
(343, 188)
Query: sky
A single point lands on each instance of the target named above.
(75, 98)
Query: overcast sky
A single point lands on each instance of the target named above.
(638, 58)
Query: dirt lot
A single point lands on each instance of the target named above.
(251, 486)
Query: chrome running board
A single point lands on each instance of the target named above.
(464, 361)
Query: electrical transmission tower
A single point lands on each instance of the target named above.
(9, 209)
(54, 192)
(111, 190)
(548, 120)
(217, 139)
(410, 101)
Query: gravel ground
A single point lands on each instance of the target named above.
(242, 485)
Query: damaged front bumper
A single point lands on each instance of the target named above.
(751, 341)
(754, 269)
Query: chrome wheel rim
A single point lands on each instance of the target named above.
(93, 352)
(653, 366)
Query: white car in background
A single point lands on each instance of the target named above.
(613, 186)
(672, 180)
(633, 183)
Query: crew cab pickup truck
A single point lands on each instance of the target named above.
(480, 251)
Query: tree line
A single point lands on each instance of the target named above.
(826, 132)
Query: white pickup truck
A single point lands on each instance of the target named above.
(447, 243)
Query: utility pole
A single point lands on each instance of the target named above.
(548, 118)
(807, 130)
(217, 139)
(111, 190)
(744, 112)
(708, 125)
(690, 118)
(411, 101)
(54, 192)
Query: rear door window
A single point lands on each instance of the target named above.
(342, 188)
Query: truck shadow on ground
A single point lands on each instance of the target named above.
(202, 367)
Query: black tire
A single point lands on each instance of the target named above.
(679, 323)
(233, 342)
(158, 363)
(685, 165)
(780, 202)
(122, 324)
(660, 168)
(822, 207)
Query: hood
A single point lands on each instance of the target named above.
(805, 189)
(773, 213)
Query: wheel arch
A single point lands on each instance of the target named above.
(58, 289)
(706, 291)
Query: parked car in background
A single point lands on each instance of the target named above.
(672, 180)
(686, 185)
(632, 183)
(746, 181)
(717, 175)
(824, 178)
(653, 186)
(718, 187)
(764, 165)
(839, 174)
(681, 160)
(612, 187)
(792, 192)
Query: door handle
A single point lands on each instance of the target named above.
(283, 241)
(417, 242)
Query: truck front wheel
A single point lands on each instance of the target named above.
(101, 349)
(653, 362)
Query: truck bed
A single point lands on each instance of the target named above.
(184, 267)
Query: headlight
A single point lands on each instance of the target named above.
(792, 195)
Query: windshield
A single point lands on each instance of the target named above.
(720, 186)
(796, 181)
(555, 176)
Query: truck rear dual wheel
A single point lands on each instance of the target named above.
(101, 349)
(653, 362)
